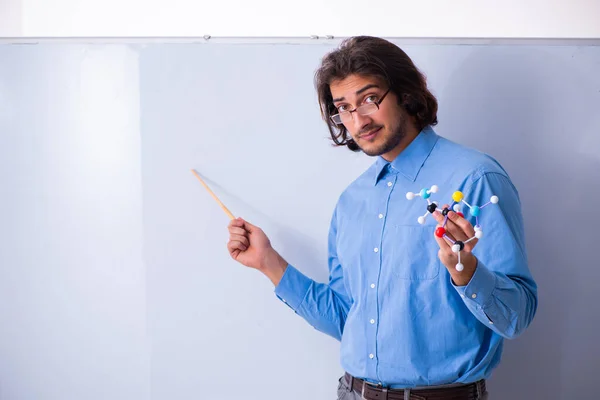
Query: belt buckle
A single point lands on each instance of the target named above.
(364, 383)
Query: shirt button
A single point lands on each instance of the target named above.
(389, 183)
(380, 216)
(372, 286)
(474, 295)
(371, 356)
(372, 321)
(375, 249)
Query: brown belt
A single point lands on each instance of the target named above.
(370, 391)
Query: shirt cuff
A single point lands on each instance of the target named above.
(292, 287)
(480, 287)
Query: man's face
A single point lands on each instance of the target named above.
(379, 133)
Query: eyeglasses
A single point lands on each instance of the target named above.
(365, 109)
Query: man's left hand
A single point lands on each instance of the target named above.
(457, 228)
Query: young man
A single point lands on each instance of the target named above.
(411, 321)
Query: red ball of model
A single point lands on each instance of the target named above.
(439, 232)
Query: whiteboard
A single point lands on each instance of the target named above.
(113, 257)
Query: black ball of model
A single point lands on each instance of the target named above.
(431, 208)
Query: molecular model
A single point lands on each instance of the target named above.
(457, 197)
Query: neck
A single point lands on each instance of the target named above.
(411, 134)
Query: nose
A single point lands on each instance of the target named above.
(360, 121)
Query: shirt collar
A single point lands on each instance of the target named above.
(412, 158)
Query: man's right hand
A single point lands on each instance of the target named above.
(249, 246)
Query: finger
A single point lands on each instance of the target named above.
(445, 253)
(449, 222)
(454, 231)
(234, 230)
(439, 217)
(439, 214)
(234, 254)
(233, 249)
(449, 228)
(237, 222)
(467, 232)
(235, 245)
(462, 224)
(240, 238)
(439, 234)
(249, 227)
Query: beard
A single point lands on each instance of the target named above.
(384, 144)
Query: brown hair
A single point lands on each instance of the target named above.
(374, 57)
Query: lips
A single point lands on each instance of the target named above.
(370, 135)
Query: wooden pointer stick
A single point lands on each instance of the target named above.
(214, 196)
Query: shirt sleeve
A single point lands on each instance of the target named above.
(502, 293)
(323, 306)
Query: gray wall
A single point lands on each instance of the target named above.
(114, 276)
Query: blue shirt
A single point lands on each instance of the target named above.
(401, 320)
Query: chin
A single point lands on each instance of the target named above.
(376, 148)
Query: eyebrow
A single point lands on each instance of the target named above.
(370, 86)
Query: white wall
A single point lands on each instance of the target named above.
(10, 18)
(114, 280)
(433, 18)
(72, 276)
